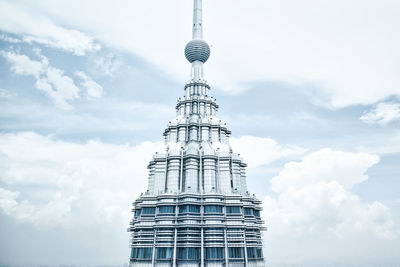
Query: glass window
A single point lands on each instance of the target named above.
(212, 209)
(248, 211)
(251, 253)
(257, 213)
(259, 253)
(235, 253)
(214, 253)
(166, 209)
(232, 209)
(164, 253)
(189, 253)
(142, 253)
(134, 253)
(148, 210)
(189, 208)
(137, 213)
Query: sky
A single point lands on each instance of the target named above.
(310, 90)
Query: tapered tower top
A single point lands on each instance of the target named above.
(197, 210)
(197, 51)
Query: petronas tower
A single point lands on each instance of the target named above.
(197, 210)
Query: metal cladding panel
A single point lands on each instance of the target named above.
(140, 264)
(209, 173)
(173, 175)
(205, 133)
(182, 134)
(188, 264)
(159, 177)
(225, 176)
(236, 178)
(243, 179)
(255, 264)
(214, 134)
(151, 179)
(191, 178)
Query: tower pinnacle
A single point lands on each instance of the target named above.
(197, 51)
(197, 20)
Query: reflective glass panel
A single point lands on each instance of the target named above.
(235, 253)
(214, 253)
(166, 209)
(164, 253)
(232, 209)
(148, 210)
(212, 209)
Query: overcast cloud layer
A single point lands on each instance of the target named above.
(310, 90)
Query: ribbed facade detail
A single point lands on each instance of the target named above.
(197, 210)
(191, 229)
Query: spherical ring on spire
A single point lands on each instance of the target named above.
(197, 50)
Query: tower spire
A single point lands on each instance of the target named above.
(197, 51)
(197, 20)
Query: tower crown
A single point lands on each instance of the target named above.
(197, 210)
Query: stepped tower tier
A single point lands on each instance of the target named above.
(197, 210)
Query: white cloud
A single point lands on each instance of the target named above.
(7, 200)
(64, 87)
(327, 209)
(9, 39)
(77, 184)
(68, 40)
(346, 54)
(39, 29)
(382, 113)
(325, 165)
(23, 65)
(258, 151)
(50, 80)
(4, 93)
(107, 64)
(314, 206)
(54, 212)
(93, 89)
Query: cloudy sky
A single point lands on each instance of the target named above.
(310, 89)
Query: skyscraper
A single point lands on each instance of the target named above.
(197, 210)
